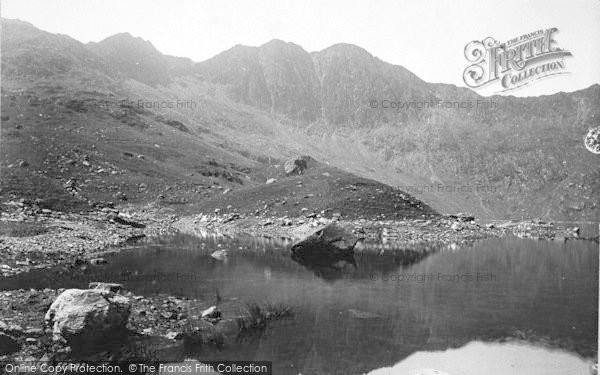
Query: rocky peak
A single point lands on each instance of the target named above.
(134, 57)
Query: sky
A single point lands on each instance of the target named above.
(427, 37)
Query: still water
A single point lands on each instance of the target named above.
(501, 306)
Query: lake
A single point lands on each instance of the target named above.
(500, 306)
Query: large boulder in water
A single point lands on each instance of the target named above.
(331, 240)
(88, 316)
(296, 165)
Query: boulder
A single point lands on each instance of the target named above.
(296, 165)
(172, 335)
(332, 239)
(211, 313)
(8, 344)
(219, 254)
(88, 315)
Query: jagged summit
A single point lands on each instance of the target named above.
(527, 153)
(135, 57)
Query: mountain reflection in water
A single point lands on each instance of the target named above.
(476, 358)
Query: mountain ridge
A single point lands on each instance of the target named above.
(280, 99)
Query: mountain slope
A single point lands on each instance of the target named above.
(68, 148)
(35, 54)
(521, 157)
(350, 78)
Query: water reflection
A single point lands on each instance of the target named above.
(475, 358)
(379, 308)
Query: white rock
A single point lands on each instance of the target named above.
(456, 226)
(87, 315)
(219, 254)
(210, 312)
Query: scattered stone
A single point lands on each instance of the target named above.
(97, 261)
(271, 180)
(120, 196)
(108, 287)
(230, 218)
(34, 332)
(456, 226)
(463, 217)
(133, 224)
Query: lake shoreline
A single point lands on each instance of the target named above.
(79, 241)
(41, 239)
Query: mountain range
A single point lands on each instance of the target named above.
(248, 109)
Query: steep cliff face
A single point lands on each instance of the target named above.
(276, 76)
(291, 80)
(351, 78)
(521, 157)
(239, 69)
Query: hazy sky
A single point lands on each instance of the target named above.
(426, 37)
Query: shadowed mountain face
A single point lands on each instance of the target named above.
(239, 68)
(277, 76)
(522, 157)
(135, 58)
